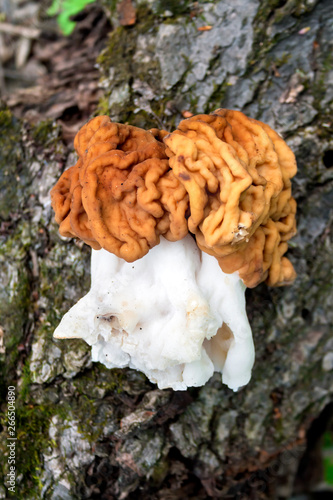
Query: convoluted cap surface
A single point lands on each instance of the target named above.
(237, 173)
(121, 195)
(224, 177)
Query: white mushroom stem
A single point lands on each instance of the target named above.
(173, 315)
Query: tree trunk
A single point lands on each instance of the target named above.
(85, 432)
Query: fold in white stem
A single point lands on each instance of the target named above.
(173, 315)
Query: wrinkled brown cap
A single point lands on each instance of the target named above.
(237, 173)
(223, 177)
(121, 195)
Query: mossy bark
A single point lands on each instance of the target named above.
(88, 432)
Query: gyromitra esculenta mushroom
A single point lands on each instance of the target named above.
(179, 225)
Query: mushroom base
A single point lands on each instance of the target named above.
(173, 315)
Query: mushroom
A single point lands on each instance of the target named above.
(237, 173)
(121, 195)
(179, 225)
(162, 316)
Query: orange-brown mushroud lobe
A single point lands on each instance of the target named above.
(121, 195)
(237, 173)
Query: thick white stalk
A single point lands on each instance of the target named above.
(174, 315)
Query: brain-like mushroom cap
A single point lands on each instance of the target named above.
(121, 195)
(231, 175)
(237, 173)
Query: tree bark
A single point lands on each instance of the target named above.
(87, 432)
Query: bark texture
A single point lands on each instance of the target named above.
(85, 432)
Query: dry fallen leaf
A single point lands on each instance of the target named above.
(126, 13)
(303, 31)
(63, 75)
(187, 114)
(22, 52)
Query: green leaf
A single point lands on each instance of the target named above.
(328, 470)
(66, 25)
(327, 449)
(55, 8)
(65, 9)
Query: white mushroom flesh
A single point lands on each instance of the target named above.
(173, 315)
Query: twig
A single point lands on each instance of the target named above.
(17, 75)
(12, 29)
